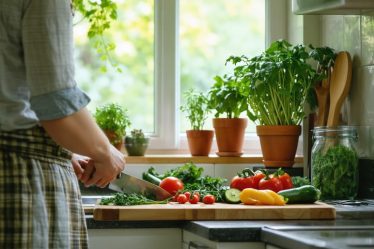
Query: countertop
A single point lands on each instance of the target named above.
(353, 228)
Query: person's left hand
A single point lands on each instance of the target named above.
(79, 164)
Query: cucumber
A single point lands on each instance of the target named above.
(303, 194)
(232, 195)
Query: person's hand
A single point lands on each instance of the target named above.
(79, 164)
(102, 172)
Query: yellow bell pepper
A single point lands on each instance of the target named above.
(251, 196)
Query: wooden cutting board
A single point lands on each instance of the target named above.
(217, 211)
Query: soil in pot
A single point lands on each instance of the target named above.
(200, 142)
(278, 144)
(230, 135)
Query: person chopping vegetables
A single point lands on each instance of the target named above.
(43, 120)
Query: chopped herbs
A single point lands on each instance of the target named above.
(335, 172)
(123, 199)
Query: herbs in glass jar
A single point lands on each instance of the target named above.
(335, 164)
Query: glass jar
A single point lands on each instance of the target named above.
(335, 162)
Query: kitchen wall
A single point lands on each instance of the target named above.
(355, 34)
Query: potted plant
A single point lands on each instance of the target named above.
(196, 109)
(113, 120)
(225, 98)
(136, 143)
(277, 83)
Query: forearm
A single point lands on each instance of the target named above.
(80, 134)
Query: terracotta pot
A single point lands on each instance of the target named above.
(114, 139)
(200, 142)
(230, 135)
(278, 144)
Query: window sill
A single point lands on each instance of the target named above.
(185, 158)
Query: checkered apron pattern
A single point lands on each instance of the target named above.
(40, 204)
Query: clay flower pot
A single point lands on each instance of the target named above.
(230, 135)
(278, 144)
(200, 142)
(116, 141)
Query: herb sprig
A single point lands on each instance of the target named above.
(123, 199)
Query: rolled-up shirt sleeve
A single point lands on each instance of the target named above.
(47, 38)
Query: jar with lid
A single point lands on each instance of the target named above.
(334, 164)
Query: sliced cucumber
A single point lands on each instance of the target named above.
(232, 195)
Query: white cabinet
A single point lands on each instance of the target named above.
(272, 247)
(144, 238)
(193, 241)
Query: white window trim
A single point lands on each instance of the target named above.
(167, 75)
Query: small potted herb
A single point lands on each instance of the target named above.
(276, 84)
(113, 120)
(226, 99)
(136, 143)
(196, 109)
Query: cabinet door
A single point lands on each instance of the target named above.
(193, 241)
(159, 238)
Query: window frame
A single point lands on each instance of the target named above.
(167, 134)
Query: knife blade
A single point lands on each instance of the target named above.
(129, 184)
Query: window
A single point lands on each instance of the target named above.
(166, 47)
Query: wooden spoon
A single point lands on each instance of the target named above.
(323, 94)
(339, 86)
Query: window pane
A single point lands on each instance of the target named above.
(133, 36)
(211, 31)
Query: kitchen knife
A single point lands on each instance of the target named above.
(130, 184)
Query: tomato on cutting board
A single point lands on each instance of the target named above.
(270, 182)
(172, 184)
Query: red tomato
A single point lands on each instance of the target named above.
(286, 181)
(242, 182)
(236, 182)
(198, 194)
(181, 199)
(194, 199)
(209, 199)
(187, 194)
(172, 184)
(272, 183)
(257, 178)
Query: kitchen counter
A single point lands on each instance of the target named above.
(353, 228)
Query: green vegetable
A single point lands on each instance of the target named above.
(335, 172)
(196, 109)
(190, 175)
(232, 195)
(123, 199)
(151, 178)
(298, 181)
(208, 185)
(303, 194)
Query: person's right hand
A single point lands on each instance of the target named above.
(102, 172)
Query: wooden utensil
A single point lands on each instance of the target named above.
(339, 86)
(323, 97)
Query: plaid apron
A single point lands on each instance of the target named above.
(40, 204)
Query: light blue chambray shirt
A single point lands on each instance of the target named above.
(36, 63)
